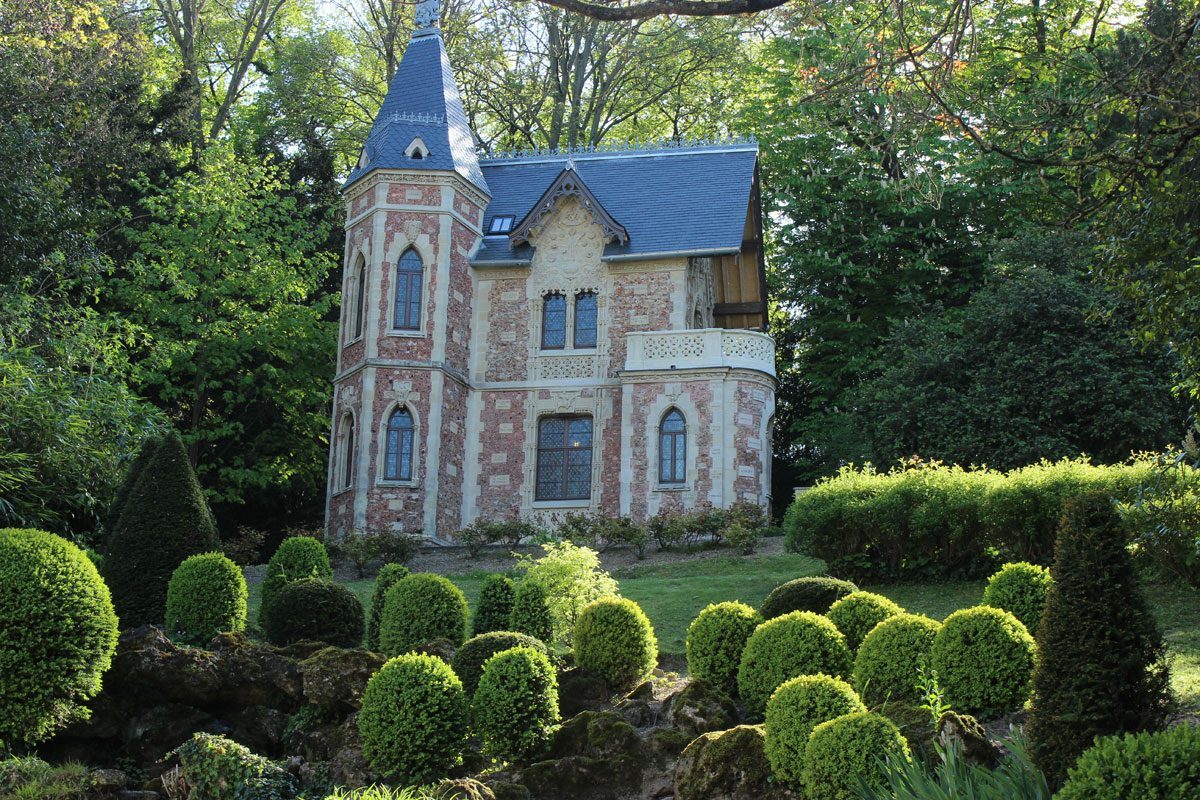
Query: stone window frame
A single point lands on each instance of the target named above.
(566, 325)
(402, 242)
(381, 444)
(678, 439)
(568, 403)
(403, 273)
(357, 286)
(539, 450)
(347, 447)
(678, 399)
(595, 296)
(570, 296)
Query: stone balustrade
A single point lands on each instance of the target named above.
(699, 349)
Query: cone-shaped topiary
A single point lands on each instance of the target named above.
(419, 609)
(1101, 668)
(845, 752)
(516, 705)
(815, 593)
(206, 596)
(1163, 765)
(413, 721)
(1020, 589)
(858, 612)
(296, 558)
(715, 641)
(468, 661)
(165, 520)
(615, 641)
(57, 635)
(984, 659)
(132, 473)
(531, 613)
(796, 707)
(495, 605)
(799, 643)
(886, 666)
(314, 610)
(386, 579)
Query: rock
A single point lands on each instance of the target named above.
(442, 648)
(593, 756)
(158, 729)
(334, 679)
(598, 735)
(147, 659)
(578, 691)
(727, 765)
(106, 782)
(964, 732)
(256, 674)
(701, 708)
(643, 691)
(665, 744)
(259, 728)
(510, 791)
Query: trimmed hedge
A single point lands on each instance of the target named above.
(1020, 589)
(814, 594)
(886, 666)
(844, 752)
(58, 633)
(799, 643)
(796, 707)
(206, 596)
(857, 613)
(516, 705)
(386, 578)
(495, 607)
(531, 613)
(615, 641)
(315, 610)
(413, 721)
(469, 660)
(419, 609)
(297, 557)
(1163, 765)
(984, 659)
(715, 641)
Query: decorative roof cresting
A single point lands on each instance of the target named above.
(425, 18)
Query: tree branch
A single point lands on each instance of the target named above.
(655, 8)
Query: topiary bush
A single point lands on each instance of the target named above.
(1163, 765)
(531, 612)
(984, 658)
(419, 609)
(215, 768)
(886, 666)
(413, 721)
(799, 643)
(58, 633)
(134, 471)
(715, 641)
(297, 557)
(387, 577)
(516, 705)
(315, 610)
(1020, 589)
(814, 594)
(845, 752)
(206, 596)
(858, 612)
(615, 641)
(469, 660)
(164, 520)
(796, 707)
(495, 605)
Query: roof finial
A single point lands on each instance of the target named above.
(425, 18)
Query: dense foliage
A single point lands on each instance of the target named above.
(795, 708)
(384, 580)
(216, 768)
(206, 596)
(858, 612)
(296, 558)
(814, 593)
(615, 642)
(799, 643)
(1020, 589)
(469, 659)
(887, 665)
(984, 658)
(573, 578)
(495, 605)
(846, 751)
(315, 610)
(530, 613)
(956, 776)
(715, 641)
(1160, 764)
(419, 609)
(516, 705)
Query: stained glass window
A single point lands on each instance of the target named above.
(409, 274)
(398, 452)
(585, 319)
(554, 322)
(672, 448)
(564, 458)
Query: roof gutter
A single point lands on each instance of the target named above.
(672, 254)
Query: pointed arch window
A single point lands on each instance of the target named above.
(398, 452)
(585, 320)
(359, 296)
(554, 321)
(346, 473)
(672, 447)
(410, 272)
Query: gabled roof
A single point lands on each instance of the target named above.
(671, 201)
(422, 101)
(568, 184)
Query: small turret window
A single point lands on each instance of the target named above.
(409, 276)
(417, 150)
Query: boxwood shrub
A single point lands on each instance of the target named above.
(315, 610)
(796, 707)
(815, 593)
(516, 705)
(984, 658)
(845, 752)
(385, 579)
(206, 596)
(799, 643)
(615, 641)
(888, 660)
(715, 641)
(296, 557)
(1163, 765)
(1019, 588)
(419, 609)
(495, 605)
(531, 613)
(469, 660)
(58, 632)
(858, 612)
(413, 721)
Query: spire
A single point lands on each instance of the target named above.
(422, 103)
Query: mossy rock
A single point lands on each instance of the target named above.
(598, 735)
(700, 708)
(335, 678)
(971, 739)
(727, 765)
(578, 692)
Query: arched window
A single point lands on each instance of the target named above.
(347, 452)
(409, 274)
(672, 448)
(359, 297)
(585, 319)
(554, 322)
(398, 452)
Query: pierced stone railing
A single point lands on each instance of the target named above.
(700, 348)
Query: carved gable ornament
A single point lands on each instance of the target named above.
(567, 184)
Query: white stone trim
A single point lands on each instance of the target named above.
(401, 242)
(403, 401)
(561, 402)
(674, 396)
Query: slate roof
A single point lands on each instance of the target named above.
(675, 200)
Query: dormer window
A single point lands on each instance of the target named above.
(417, 150)
(501, 225)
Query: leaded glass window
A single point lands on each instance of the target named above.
(554, 322)
(360, 297)
(409, 274)
(585, 319)
(672, 448)
(398, 452)
(564, 458)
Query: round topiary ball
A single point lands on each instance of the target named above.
(315, 610)
(206, 596)
(796, 707)
(984, 659)
(516, 705)
(387, 577)
(799, 643)
(58, 632)
(858, 612)
(715, 641)
(615, 641)
(468, 661)
(1163, 765)
(1020, 589)
(419, 609)
(845, 752)
(297, 557)
(413, 721)
(888, 660)
(495, 605)
(816, 594)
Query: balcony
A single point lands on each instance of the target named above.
(699, 349)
